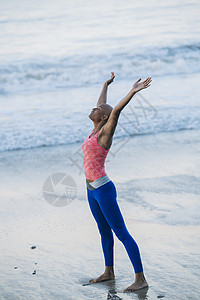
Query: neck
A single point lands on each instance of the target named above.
(98, 126)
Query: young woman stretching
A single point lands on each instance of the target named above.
(101, 190)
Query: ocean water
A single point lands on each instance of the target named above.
(55, 57)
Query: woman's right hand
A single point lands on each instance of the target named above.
(111, 79)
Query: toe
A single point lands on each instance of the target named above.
(128, 290)
(93, 281)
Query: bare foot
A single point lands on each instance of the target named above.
(138, 285)
(103, 277)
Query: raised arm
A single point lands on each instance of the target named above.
(103, 95)
(110, 126)
(138, 86)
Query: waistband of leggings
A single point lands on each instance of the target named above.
(97, 183)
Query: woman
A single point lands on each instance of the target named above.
(101, 190)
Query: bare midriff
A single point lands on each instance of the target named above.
(88, 180)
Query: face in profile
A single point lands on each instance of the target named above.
(101, 112)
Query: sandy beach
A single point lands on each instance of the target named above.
(157, 180)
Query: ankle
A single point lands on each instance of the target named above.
(109, 270)
(140, 277)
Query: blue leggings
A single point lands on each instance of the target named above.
(105, 209)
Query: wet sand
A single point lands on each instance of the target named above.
(157, 180)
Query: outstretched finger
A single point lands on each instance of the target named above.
(146, 83)
(148, 80)
(146, 86)
(112, 75)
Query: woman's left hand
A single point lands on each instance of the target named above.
(138, 86)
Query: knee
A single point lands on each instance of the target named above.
(105, 232)
(122, 234)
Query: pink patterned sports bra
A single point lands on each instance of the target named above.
(93, 157)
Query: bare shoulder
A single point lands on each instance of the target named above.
(110, 126)
(107, 131)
